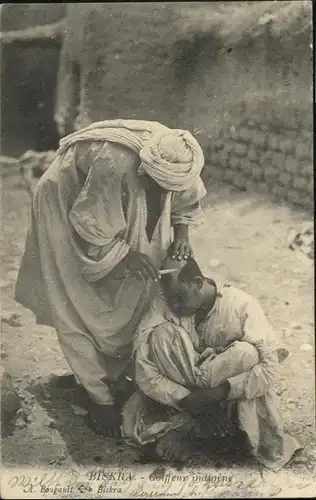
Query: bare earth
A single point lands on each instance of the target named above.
(243, 241)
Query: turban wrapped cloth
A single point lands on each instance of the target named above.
(171, 157)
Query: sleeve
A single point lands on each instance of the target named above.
(155, 385)
(259, 333)
(97, 214)
(186, 208)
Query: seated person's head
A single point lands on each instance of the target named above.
(183, 288)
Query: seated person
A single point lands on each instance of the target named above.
(205, 357)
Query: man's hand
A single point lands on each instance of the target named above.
(209, 354)
(140, 263)
(181, 248)
(136, 264)
(105, 420)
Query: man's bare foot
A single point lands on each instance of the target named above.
(176, 445)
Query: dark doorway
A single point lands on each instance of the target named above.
(28, 86)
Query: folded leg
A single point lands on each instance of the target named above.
(238, 358)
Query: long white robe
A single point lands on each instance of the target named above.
(166, 372)
(73, 288)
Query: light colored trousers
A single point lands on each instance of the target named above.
(167, 367)
(176, 358)
(90, 366)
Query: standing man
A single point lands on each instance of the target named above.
(117, 197)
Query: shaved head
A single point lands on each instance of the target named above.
(187, 269)
(183, 287)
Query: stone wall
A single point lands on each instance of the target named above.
(262, 78)
(253, 156)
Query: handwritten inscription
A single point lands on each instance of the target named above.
(130, 483)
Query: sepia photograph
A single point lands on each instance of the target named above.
(157, 250)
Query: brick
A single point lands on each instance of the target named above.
(309, 205)
(211, 148)
(285, 179)
(263, 187)
(286, 145)
(253, 153)
(274, 189)
(278, 159)
(246, 166)
(292, 165)
(215, 158)
(218, 144)
(265, 159)
(290, 133)
(300, 182)
(234, 133)
(260, 139)
(250, 185)
(234, 162)
(241, 149)
(280, 192)
(245, 134)
(257, 172)
(264, 127)
(229, 175)
(231, 145)
(307, 170)
(216, 172)
(303, 150)
(224, 155)
(295, 197)
(310, 187)
(273, 141)
(241, 183)
(270, 173)
(307, 134)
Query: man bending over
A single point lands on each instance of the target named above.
(205, 356)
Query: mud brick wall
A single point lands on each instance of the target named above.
(252, 156)
(125, 58)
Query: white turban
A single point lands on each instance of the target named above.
(173, 159)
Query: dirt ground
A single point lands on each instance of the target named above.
(243, 241)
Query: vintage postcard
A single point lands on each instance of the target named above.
(157, 250)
